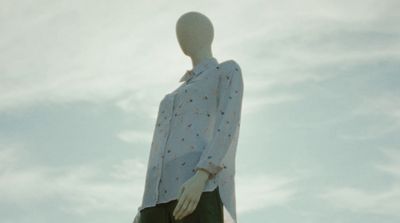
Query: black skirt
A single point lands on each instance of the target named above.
(208, 210)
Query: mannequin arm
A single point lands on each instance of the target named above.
(227, 122)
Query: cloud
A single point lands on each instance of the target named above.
(9, 155)
(386, 202)
(80, 189)
(67, 53)
(382, 112)
(61, 53)
(259, 191)
(392, 167)
(87, 188)
(135, 136)
(361, 201)
(257, 103)
(259, 93)
(129, 169)
(387, 104)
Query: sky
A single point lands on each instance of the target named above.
(80, 84)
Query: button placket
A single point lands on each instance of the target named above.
(169, 111)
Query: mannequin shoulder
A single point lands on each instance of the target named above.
(230, 66)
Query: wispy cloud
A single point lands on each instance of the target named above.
(257, 103)
(383, 202)
(387, 104)
(73, 52)
(135, 136)
(392, 166)
(69, 56)
(126, 54)
(80, 189)
(382, 112)
(366, 202)
(258, 191)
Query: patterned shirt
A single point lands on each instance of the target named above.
(197, 126)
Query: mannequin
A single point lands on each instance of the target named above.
(195, 35)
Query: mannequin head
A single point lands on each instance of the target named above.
(195, 34)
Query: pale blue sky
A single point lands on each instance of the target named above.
(80, 84)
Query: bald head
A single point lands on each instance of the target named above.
(194, 32)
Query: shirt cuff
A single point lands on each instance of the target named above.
(210, 167)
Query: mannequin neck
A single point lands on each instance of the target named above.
(200, 56)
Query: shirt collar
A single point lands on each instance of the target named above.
(199, 68)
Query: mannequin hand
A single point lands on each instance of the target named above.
(189, 194)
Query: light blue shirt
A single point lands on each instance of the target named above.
(197, 126)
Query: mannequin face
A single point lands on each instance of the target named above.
(194, 32)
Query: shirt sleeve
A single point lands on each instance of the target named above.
(227, 123)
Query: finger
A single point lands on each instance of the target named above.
(191, 208)
(185, 210)
(179, 211)
(179, 200)
(180, 204)
(194, 205)
(182, 209)
(177, 207)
